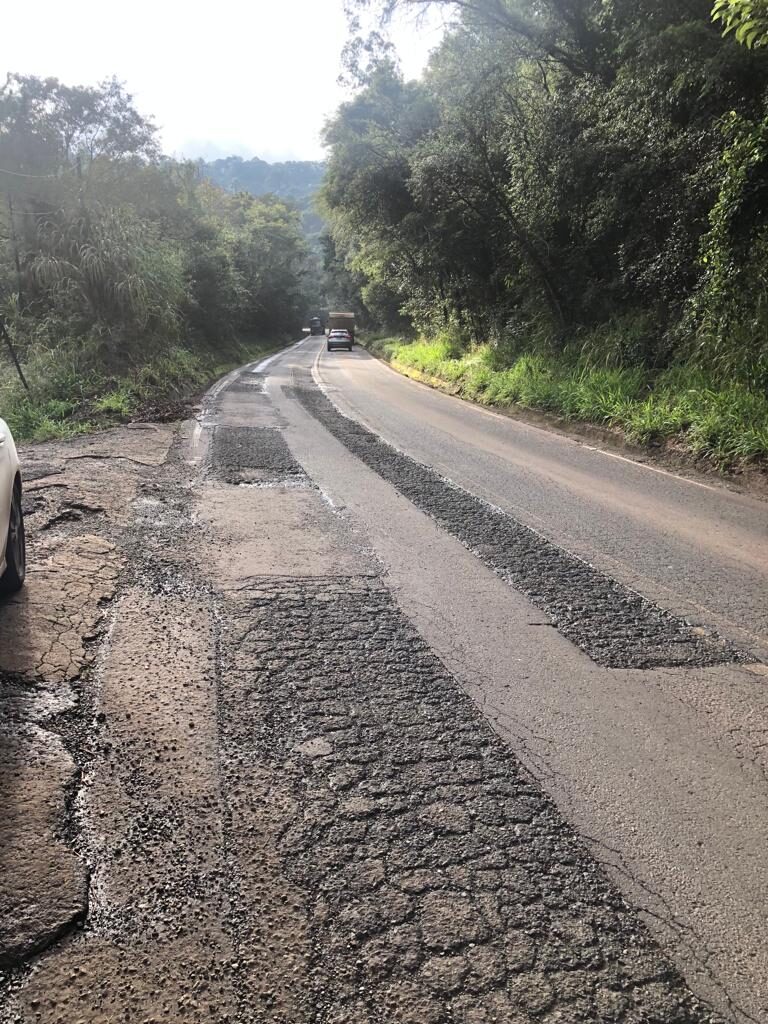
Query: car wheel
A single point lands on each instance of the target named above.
(328, 347)
(15, 548)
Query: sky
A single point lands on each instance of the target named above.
(220, 78)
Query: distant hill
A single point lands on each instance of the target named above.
(297, 180)
(294, 180)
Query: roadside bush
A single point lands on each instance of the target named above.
(727, 423)
(68, 398)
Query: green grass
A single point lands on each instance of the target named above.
(724, 422)
(121, 402)
(71, 396)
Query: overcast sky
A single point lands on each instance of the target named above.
(254, 79)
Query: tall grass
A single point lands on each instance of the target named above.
(725, 422)
(70, 397)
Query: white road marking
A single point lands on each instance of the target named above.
(655, 469)
(217, 388)
(260, 367)
(316, 371)
(553, 433)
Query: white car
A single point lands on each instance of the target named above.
(13, 555)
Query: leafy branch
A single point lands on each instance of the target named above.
(746, 19)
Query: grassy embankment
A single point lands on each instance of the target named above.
(69, 396)
(724, 422)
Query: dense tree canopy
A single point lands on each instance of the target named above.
(563, 167)
(112, 250)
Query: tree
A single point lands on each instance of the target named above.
(747, 19)
(112, 252)
(565, 179)
(46, 125)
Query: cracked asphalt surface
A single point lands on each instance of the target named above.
(245, 778)
(446, 886)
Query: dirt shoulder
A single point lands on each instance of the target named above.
(78, 503)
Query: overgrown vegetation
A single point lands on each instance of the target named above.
(296, 180)
(125, 277)
(725, 423)
(72, 396)
(572, 176)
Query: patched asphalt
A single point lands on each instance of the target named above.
(440, 884)
(291, 812)
(615, 626)
(251, 455)
(249, 382)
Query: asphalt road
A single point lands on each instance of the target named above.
(688, 544)
(311, 719)
(664, 769)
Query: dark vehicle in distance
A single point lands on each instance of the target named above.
(316, 326)
(339, 339)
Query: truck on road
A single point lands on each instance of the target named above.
(342, 322)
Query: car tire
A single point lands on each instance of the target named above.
(15, 548)
(328, 347)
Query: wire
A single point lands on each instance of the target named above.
(20, 174)
(37, 213)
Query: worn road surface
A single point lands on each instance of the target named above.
(347, 702)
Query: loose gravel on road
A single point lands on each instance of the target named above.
(615, 626)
